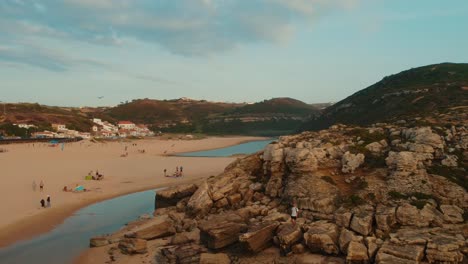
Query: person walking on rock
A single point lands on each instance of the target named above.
(48, 200)
(42, 203)
(294, 213)
(41, 186)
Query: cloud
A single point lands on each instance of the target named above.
(185, 27)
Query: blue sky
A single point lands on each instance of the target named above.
(70, 52)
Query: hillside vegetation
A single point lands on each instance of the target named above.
(421, 92)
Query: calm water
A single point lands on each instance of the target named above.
(67, 241)
(245, 148)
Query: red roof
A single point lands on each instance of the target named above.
(125, 123)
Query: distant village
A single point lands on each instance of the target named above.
(100, 129)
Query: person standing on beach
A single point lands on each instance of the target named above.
(42, 203)
(165, 173)
(41, 186)
(34, 185)
(181, 168)
(48, 200)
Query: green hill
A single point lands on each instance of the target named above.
(424, 92)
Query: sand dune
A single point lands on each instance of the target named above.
(22, 216)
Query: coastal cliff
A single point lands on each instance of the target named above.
(388, 193)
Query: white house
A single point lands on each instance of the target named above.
(126, 125)
(59, 127)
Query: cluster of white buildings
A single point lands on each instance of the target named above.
(100, 129)
(61, 131)
(104, 129)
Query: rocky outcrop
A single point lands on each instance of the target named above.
(132, 246)
(171, 195)
(259, 236)
(397, 210)
(351, 162)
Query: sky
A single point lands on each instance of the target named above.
(71, 52)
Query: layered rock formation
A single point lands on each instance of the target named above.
(383, 194)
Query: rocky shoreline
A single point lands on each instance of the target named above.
(381, 194)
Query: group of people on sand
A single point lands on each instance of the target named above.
(95, 176)
(45, 203)
(178, 172)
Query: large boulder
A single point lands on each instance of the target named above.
(362, 222)
(171, 195)
(343, 217)
(200, 203)
(322, 236)
(300, 161)
(346, 236)
(392, 253)
(350, 162)
(385, 218)
(259, 236)
(357, 253)
(423, 135)
(130, 246)
(410, 215)
(287, 235)
(99, 241)
(221, 230)
(157, 228)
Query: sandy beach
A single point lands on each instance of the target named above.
(22, 216)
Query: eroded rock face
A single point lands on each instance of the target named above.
(259, 236)
(171, 195)
(350, 162)
(132, 246)
(200, 203)
(222, 230)
(322, 236)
